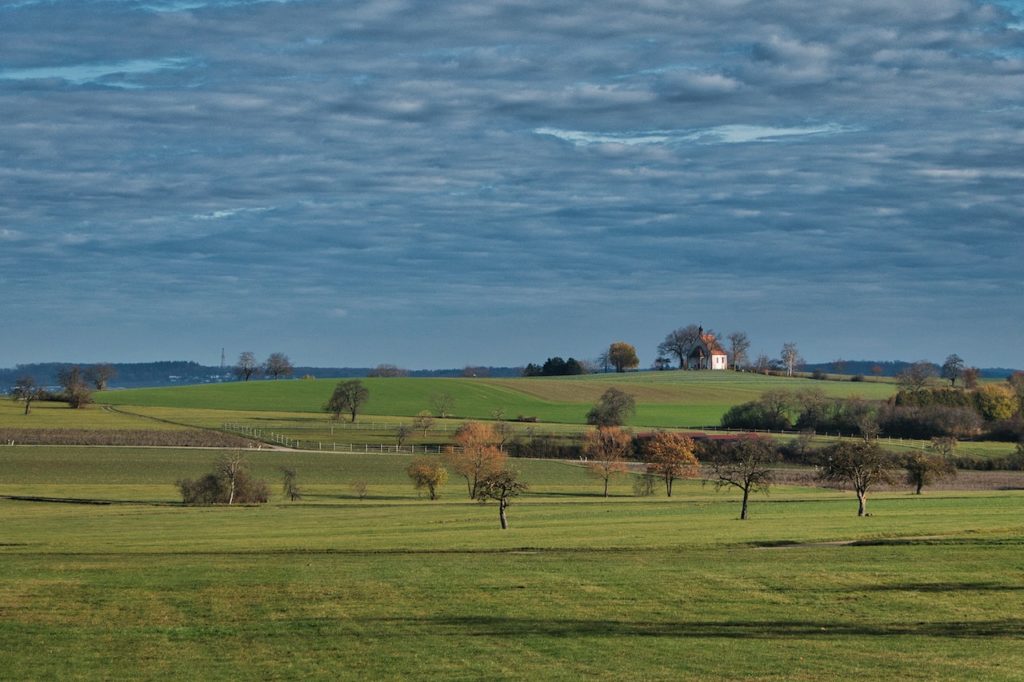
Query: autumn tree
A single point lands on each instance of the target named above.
(928, 467)
(670, 455)
(477, 454)
(790, 357)
(278, 365)
(348, 396)
(744, 464)
(970, 377)
(606, 448)
(429, 473)
(26, 391)
(622, 356)
(501, 485)
(387, 370)
(739, 346)
(861, 465)
(76, 390)
(246, 367)
(100, 375)
(613, 408)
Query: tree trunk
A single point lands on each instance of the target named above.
(668, 486)
(862, 503)
(28, 404)
(606, 486)
(743, 509)
(920, 484)
(501, 514)
(353, 416)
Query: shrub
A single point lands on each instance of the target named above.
(230, 482)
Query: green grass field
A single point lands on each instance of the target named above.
(664, 399)
(395, 586)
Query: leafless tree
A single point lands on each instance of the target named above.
(501, 485)
(763, 363)
(859, 464)
(679, 343)
(739, 345)
(402, 433)
(423, 421)
(613, 408)
(746, 465)
(26, 391)
(290, 485)
(76, 391)
(442, 404)
(100, 375)
(790, 357)
(246, 367)
(278, 365)
(953, 368)
(917, 376)
(388, 371)
(360, 488)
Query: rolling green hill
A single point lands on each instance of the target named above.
(663, 398)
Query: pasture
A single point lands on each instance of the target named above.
(664, 399)
(121, 581)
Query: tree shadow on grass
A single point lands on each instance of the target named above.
(498, 626)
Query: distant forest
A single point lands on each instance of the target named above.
(180, 372)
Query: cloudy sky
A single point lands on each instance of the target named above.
(435, 184)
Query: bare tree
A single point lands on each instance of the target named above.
(290, 484)
(739, 345)
(859, 464)
(970, 377)
(501, 485)
(278, 365)
(623, 356)
(229, 482)
(76, 391)
(670, 455)
(763, 363)
(360, 488)
(429, 473)
(100, 375)
(745, 464)
(607, 447)
(402, 433)
(442, 404)
(348, 396)
(917, 376)
(388, 370)
(423, 421)
(679, 343)
(26, 391)
(790, 357)
(246, 367)
(925, 468)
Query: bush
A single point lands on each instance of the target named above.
(230, 482)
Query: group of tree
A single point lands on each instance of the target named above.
(276, 366)
(555, 367)
(679, 345)
(476, 457)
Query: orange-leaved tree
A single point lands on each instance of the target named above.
(477, 454)
(607, 448)
(669, 455)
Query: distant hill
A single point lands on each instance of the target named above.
(888, 368)
(182, 372)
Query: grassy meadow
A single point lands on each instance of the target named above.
(120, 581)
(664, 399)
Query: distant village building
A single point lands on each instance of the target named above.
(707, 353)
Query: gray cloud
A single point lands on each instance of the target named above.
(539, 177)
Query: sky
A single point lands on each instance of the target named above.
(438, 184)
